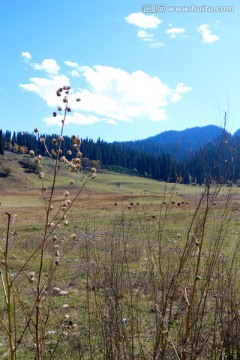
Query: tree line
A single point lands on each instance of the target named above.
(219, 161)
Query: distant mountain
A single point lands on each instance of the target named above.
(237, 133)
(179, 144)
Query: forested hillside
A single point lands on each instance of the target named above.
(204, 151)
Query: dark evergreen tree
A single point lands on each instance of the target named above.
(2, 143)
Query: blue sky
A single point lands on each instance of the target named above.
(140, 68)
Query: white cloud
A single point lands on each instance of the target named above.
(48, 65)
(180, 89)
(75, 73)
(46, 88)
(207, 36)
(142, 34)
(174, 31)
(143, 21)
(71, 64)
(75, 118)
(109, 95)
(26, 55)
(112, 122)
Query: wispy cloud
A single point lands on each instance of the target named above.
(174, 31)
(207, 36)
(108, 94)
(142, 34)
(143, 21)
(71, 64)
(156, 45)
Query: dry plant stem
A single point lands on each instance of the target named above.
(196, 279)
(39, 286)
(46, 238)
(8, 295)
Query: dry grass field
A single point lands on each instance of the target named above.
(138, 269)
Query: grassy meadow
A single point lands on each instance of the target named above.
(134, 269)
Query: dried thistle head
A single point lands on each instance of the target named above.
(56, 253)
(63, 159)
(76, 160)
(31, 153)
(31, 276)
(54, 238)
(72, 168)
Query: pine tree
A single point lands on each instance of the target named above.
(1, 143)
